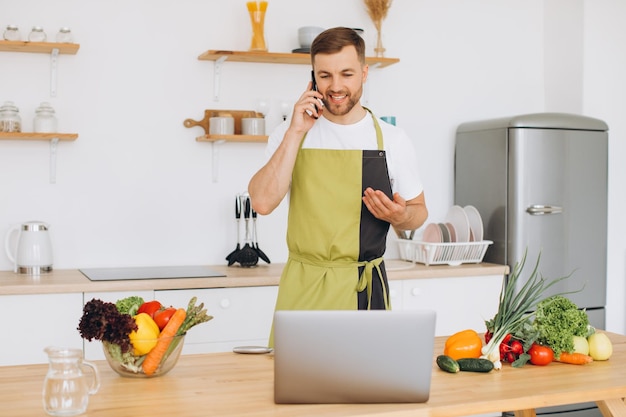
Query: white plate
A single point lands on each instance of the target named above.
(456, 215)
(432, 233)
(475, 222)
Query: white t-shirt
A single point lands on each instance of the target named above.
(401, 157)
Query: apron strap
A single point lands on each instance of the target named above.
(379, 133)
(365, 280)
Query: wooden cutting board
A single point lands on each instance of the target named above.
(236, 114)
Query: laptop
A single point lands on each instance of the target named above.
(353, 356)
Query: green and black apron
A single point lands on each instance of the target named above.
(336, 245)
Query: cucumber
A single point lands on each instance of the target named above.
(475, 365)
(448, 364)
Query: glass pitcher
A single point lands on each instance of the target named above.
(66, 390)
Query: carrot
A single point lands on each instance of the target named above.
(153, 358)
(575, 358)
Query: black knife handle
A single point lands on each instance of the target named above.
(237, 208)
(246, 209)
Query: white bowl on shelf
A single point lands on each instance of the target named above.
(307, 34)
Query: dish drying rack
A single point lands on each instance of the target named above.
(452, 254)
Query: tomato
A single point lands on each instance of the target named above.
(149, 307)
(161, 317)
(540, 355)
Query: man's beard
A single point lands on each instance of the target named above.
(344, 109)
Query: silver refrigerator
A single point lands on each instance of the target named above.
(539, 182)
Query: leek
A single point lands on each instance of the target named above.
(515, 308)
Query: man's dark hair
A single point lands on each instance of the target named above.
(331, 41)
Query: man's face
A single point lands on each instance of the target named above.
(340, 79)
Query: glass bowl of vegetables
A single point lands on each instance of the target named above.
(140, 339)
(158, 361)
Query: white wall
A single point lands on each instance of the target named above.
(136, 188)
(605, 96)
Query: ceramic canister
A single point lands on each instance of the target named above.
(253, 126)
(222, 125)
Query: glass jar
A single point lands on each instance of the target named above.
(12, 33)
(37, 34)
(10, 120)
(65, 35)
(45, 121)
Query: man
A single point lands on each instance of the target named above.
(332, 157)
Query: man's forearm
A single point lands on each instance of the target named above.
(270, 184)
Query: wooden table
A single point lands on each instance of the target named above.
(228, 384)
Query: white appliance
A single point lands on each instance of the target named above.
(29, 247)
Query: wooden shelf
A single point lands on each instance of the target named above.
(37, 136)
(53, 49)
(232, 138)
(53, 138)
(39, 47)
(279, 58)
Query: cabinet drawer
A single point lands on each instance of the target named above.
(460, 303)
(239, 314)
(44, 320)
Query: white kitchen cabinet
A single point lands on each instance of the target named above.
(395, 294)
(93, 349)
(241, 316)
(34, 321)
(460, 302)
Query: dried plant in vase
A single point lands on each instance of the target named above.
(377, 10)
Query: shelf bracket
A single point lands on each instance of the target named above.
(54, 60)
(215, 148)
(53, 160)
(216, 77)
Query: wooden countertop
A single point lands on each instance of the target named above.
(73, 281)
(228, 384)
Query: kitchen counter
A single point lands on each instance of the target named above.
(73, 281)
(228, 384)
(242, 303)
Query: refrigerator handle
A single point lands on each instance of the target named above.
(539, 210)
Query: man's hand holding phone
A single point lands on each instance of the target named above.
(306, 110)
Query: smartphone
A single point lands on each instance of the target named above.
(314, 88)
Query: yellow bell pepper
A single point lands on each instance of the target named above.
(145, 337)
(463, 344)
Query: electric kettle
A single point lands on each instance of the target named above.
(31, 252)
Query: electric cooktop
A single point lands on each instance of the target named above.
(149, 272)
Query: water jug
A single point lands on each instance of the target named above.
(66, 389)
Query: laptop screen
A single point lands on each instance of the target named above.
(353, 356)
